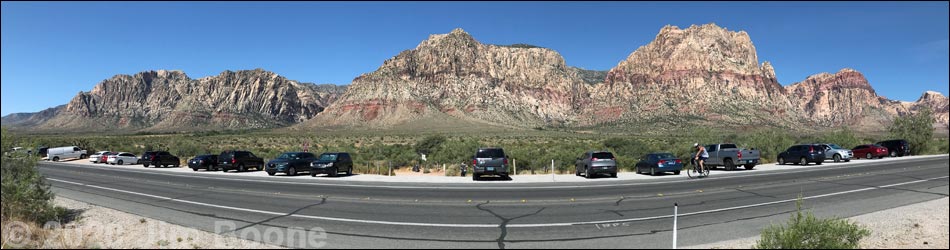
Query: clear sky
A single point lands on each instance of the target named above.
(53, 50)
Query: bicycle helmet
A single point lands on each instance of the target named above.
(695, 145)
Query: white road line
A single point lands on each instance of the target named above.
(487, 225)
(730, 176)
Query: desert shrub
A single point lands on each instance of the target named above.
(769, 142)
(805, 231)
(917, 129)
(24, 194)
(844, 137)
(944, 146)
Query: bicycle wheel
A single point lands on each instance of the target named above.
(692, 173)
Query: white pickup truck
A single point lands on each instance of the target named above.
(729, 156)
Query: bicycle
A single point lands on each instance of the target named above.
(694, 172)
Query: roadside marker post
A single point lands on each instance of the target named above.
(675, 222)
(553, 174)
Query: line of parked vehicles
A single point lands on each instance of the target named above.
(490, 161)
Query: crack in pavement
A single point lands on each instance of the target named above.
(621, 212)
(505, 221)
(322, 201)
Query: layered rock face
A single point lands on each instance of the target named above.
(702, 71)
(456, 75)
(838, 99)
(938, 104)
(170, 100)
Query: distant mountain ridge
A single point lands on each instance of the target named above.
(701, 75)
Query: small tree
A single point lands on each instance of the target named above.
(917, 129)
(430, 144)
(805, 231)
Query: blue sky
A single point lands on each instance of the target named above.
(53, 50)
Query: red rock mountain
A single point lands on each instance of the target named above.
(171, 101)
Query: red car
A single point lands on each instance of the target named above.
(870, 151)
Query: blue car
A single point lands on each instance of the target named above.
(657, 163)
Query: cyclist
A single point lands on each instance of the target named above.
(701, 156)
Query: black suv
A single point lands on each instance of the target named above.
(332, 164)
(240, 161)
(290, 163)
(159, 158)
(803, 154)
(490, 161)
(896, 147)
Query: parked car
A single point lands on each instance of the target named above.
(105, 157)
(659, 163)
(730, 156)
(837, 153)
(291, 163)
(332, 164)
(97, 157)
(594, 163)
(206, 162)
(61, 153)
(896, 148)
(802, 155)
(870, 151)
(240, 161)
(489, 161)
(159, 158)
(122, 158)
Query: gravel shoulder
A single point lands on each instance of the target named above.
(917, 226)
(99, 227)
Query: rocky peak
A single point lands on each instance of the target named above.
(458, 38)
(846, 78)
(706, 47)
(931, 96)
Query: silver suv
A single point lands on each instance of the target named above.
(596, 162)
(837, 153)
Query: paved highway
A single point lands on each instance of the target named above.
(610, 214)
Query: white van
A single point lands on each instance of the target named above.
(60, 153)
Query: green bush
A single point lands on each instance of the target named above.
(769, 142)
(917, 129)
(805, 231)
(24, 194)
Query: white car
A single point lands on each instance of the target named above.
(95, 158)
(123, 158)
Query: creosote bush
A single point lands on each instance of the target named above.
(805, 231)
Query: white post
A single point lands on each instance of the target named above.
(553, 174)
(443, 169)
(514, 163)
(675, 222)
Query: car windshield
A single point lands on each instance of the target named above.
(665, 156)
(834, 146)
(289, 156)
(328, 157)
(490, 153)
(603, 155)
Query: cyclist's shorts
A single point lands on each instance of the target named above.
(703, 158)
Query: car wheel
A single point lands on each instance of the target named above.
(292, 171)
(272, 173)
(749, 167)
(614, 175)
(819, 163)
(781, 161)
(121, 163)
(349, 172)
(652, 172)
(475, 177)
(803, 162)
(674, 173)
(55, 159)
(730, 166)
(145, 165)
(242, 168)
(869, 156)
(194, 169)
(893, 154)
(587, 173)
(335, 173)
(837, 158)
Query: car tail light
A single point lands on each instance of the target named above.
(233, 160)
(474, 162)
(811, 149)
(740, 155)
(662, 162)
(679, 161)
(153, 157)
(593, 159)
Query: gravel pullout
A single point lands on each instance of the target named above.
(917, 226)
(99, 227)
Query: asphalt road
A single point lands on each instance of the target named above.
(610, 214)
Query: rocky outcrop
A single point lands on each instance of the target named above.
(703, 71)
(171, 101)
(28, 120)
(837, 99)
(456, 75)
(938, 104)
